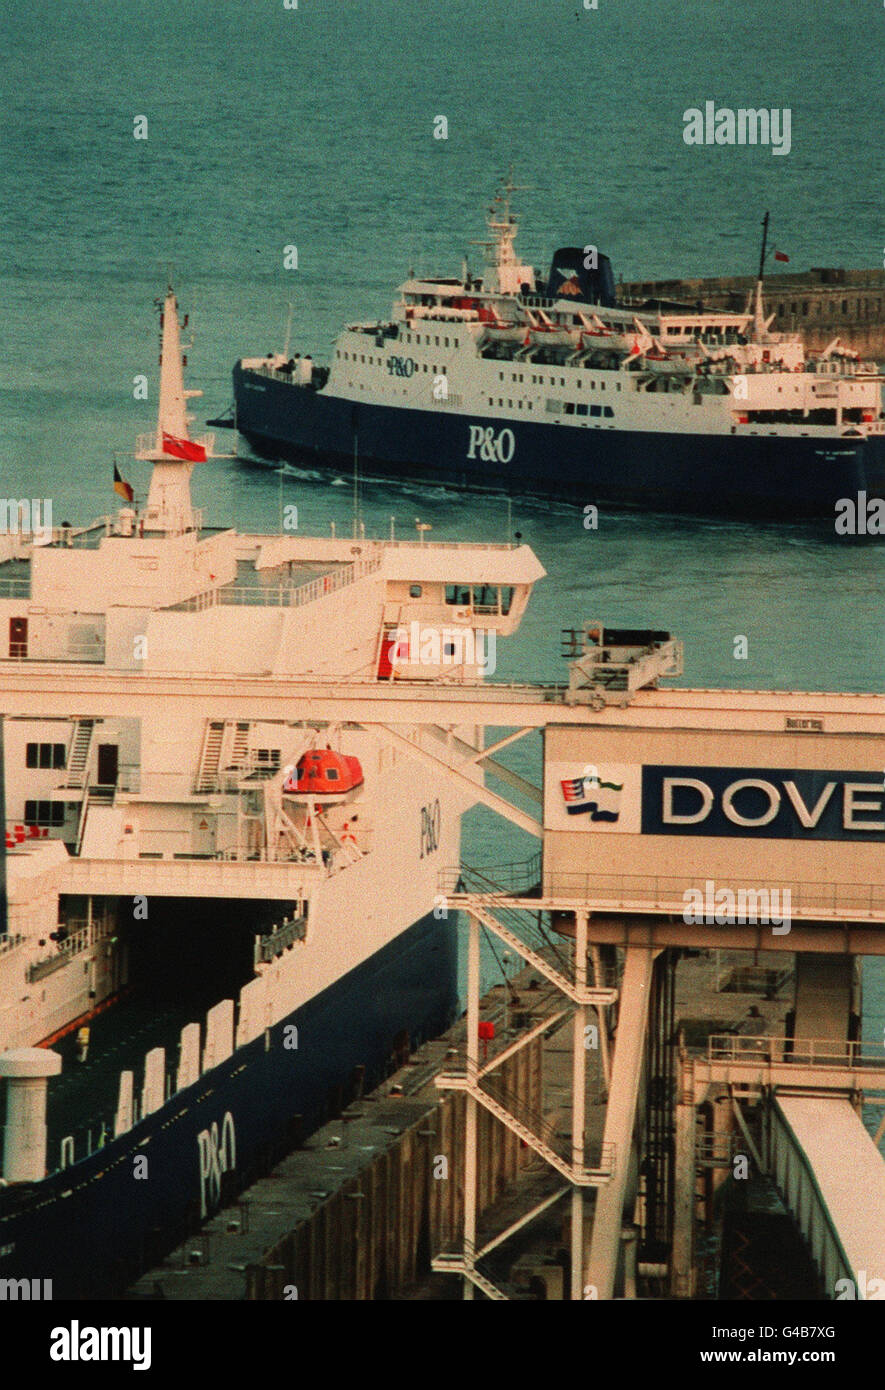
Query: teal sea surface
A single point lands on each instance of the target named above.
(269, 127)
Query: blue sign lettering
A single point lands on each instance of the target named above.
(763, 803)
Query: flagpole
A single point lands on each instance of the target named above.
(764, 244)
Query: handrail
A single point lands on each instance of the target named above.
(667, 893)
(280, 595)
(823, 1053)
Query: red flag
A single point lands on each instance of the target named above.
(183, 449)
(779, 256)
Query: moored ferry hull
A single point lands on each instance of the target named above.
(93, 1227)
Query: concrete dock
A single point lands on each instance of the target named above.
(357, 1212)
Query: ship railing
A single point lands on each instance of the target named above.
(268, 948)
(278, 595)
(751, 902)
(822, 1053)
(91, 653)
(81, 935)
(450, 545)
(15, 588)
(757, 900)
(508, 880)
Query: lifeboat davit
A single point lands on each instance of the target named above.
(324, 776)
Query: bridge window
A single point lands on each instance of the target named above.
(414, 591)
(595, 410)
(607, 411)
(506, 598)
(485, 598)
(458, 595)
(44, 813)
(46, 755)
(581, 409)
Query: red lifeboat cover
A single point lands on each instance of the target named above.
(324, 773)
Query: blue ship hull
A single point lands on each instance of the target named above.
(95, 1226)
(756, 475)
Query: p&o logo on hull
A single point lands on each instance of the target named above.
(493, 448)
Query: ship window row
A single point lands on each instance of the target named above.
(482, 598)
(46, 755)
(431, 339)
(579, 408)
(379, 362)
(44, 812)
(539, 380)
(865, 308)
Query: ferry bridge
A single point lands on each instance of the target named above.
(653, 802)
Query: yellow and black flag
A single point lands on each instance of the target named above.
(121, 487)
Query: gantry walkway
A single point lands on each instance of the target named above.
(832, 1177)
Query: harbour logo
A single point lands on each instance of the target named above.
(746, 126)
(217, 1153)
(493, 448)
(590, 796)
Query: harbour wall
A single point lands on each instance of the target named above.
(821, 303)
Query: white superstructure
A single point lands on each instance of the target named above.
(104, 812)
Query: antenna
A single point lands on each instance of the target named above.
(288, 331)
(356, 480)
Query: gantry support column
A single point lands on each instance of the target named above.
(579, 1094)
(684, 1177)
(620, 1116)
(470, 1155)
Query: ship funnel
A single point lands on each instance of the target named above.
(571, 276)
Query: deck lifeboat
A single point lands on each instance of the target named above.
(323, 776)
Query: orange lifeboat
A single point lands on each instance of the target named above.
(324, 776)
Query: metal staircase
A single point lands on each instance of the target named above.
(210, 756)
(78, 758)
(239, 753)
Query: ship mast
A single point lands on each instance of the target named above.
(510, 273)
(170, 449)
(758, 310)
